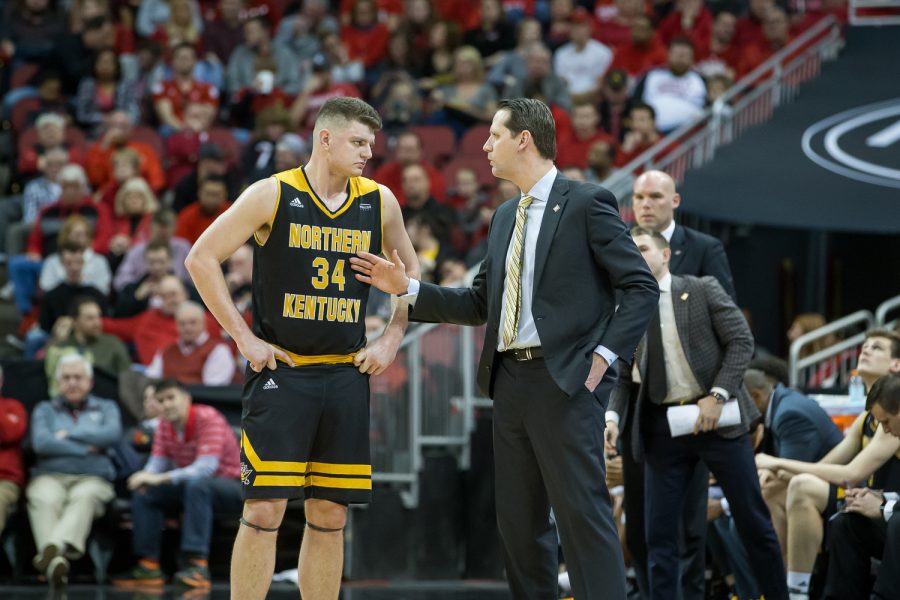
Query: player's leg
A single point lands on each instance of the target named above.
(253, 559)
(807, 499)
(775, 495)
(322, 551)
(340, 473)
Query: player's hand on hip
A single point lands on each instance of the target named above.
(376, 357)
(387, 275)
(260, 354)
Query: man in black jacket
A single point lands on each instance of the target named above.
(556, 257)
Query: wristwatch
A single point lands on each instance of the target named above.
(719, 397)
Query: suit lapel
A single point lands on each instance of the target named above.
(680, 305)
(677, 244)
(556, 205)
(505, 222)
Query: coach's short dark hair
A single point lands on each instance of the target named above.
(349, 110)
(535, 117)
(885, 393)
(656, 236)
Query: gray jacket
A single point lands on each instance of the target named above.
(717, 343)
(83, 450)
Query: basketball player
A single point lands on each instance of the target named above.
(305, 414)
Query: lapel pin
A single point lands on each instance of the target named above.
(677, 252)
(556, 208)
(684, 296)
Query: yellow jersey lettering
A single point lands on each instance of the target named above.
(288, 310)
(294, 241)
(305, 236)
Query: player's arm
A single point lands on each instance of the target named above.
(397, 240)
(251, 213)
(395, 243)
(848, 447)
(882, 447)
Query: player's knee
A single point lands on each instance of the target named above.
(802, 489)
(265, 513)
(326, 514)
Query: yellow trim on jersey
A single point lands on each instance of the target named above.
(381, 218)
(317, 359)
(338, 482)
(338, 469)
(280, 480)
(274, 212)
(269, 466)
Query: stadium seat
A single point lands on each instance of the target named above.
(149, 136)
(74, 138)
(438, 143)
(20, 111)
(21, 75)
(473, 141)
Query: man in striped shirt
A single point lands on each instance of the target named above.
(194, 468)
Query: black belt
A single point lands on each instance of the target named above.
(522, 354)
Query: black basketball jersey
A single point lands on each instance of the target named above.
(887, 477)
(306, 299)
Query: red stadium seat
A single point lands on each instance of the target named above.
(22, 75)
(18, 115)
(473, 140)
(149, 136)
(438, 143)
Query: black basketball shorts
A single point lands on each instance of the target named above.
(306, 434)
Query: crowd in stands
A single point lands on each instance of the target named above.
(136, 124)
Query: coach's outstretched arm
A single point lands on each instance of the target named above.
(249, 216)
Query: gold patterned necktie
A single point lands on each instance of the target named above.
(513, 284)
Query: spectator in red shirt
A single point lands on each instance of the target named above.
(722, 55)
(197, 357)
(750, 27)
(154, 329)
(171, 97)
(642, 133)
(116, 135)
(194, 470)
(13, 425)
(212, 201)
(691, 19)
(408, 151)
(776, 35)
(645, 50)
(616, 21)
(365, 38)
(573, 148)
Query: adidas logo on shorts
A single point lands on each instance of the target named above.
(270, 385)
(296, 202)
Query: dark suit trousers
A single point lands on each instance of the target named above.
(548, 450)
(852, 541)
(692, 536)
(669, 463)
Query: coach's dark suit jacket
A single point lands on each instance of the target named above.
(800, 429)
(583, 254)
(698, 254)
(717, 343)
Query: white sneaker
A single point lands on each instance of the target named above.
(58, 571)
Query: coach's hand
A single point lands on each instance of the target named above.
(387, 275)
(261, 354)
(377, 356)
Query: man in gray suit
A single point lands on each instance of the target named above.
(696, 350)
(556, 258)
